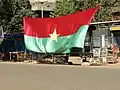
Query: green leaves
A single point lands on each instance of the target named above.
(16, 10)
(13, 11)
(65, 7)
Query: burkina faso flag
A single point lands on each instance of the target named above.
(59, 34)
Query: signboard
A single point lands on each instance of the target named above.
(115, 27)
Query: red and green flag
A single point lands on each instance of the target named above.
(59, 34)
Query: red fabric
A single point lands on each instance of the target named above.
(65, 25)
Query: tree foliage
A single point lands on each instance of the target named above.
(13, 13)
(65, 7)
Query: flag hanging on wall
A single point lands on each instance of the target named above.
(59, 34)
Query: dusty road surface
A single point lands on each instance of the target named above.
(53, 77)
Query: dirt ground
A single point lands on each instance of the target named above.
(21, 76)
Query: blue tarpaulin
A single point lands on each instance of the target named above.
(13, 42)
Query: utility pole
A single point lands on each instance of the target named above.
(42, 10)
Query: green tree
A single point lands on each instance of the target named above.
(5, 12)
(65, 7)
(16, 9)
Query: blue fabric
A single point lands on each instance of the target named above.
(14, 42)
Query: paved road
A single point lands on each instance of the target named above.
(49, 77)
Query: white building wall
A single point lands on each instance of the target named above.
(47, 5)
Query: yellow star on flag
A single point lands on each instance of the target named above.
(54, 36)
